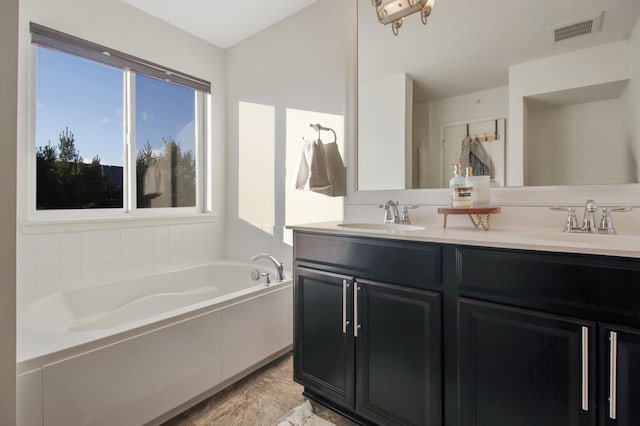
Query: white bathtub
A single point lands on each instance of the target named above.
(139, 351)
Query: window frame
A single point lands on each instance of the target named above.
(129, 209)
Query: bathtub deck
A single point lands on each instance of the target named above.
(260, 399)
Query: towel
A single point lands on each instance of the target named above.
(153, 181)
(465, 152)
(473, 154)
(479, 159)
(321, 169)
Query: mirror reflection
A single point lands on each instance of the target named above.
(547, 92)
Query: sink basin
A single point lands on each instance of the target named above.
(381, 227)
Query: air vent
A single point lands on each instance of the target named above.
(577, 28)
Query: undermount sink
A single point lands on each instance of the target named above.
(381, 227)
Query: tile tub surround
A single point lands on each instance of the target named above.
(260, 399)
(67, 260)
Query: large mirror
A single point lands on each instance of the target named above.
(542, 103)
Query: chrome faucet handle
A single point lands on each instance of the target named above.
(606, 223)
(571, 223)
(405, 213)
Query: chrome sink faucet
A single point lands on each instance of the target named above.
(279, 265)
(589, 219)
(392, 215)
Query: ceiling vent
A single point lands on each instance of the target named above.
(577, 27)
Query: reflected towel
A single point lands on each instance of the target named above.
(153, 181)
(479, 159)
(473, 154)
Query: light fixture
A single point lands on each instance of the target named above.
(393, 11)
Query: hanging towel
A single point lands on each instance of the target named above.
(336, 171)
(479, 159)
(321, 169)
(312, 169)
(153, 181)
(465, 153)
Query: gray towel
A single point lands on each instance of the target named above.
(465, 153)
(479, 160)
(473, 154)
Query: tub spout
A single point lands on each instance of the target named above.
(279, 265)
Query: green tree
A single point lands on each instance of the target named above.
(64, 181)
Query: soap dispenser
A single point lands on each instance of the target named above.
(460, 189)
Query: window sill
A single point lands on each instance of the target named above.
(98, 224)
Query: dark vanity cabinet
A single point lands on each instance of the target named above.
(525, 368)
(535, 341)
(370, 349)
(324, 346)
(393, 332)
(620, 367)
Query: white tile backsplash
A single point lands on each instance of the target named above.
(91, 239)
(47, 243)
(68, 260)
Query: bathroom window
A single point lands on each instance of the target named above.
(114, 133)
(79, 133)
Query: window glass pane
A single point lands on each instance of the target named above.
(79, 135)
(165, 143)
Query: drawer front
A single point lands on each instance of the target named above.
(586, 283)
(411, 264)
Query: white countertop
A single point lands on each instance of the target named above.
(553, 240)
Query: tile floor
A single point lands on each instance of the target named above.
(260, 399)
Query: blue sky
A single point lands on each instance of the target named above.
(87, 98)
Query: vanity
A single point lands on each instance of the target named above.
(446, 327)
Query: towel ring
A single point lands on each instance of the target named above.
(319, 127)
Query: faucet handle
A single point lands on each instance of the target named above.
(405, 213)
(571, 223)
(606, 223)
(388, 214)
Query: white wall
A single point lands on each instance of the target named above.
(385, 108)
(89, 254)
(8, 121)
(297, 63)
(589, 67)
(556, 138)
(631, 99)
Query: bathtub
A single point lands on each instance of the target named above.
(140, 351)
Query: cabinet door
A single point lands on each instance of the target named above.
(398, 347)
(620, 390)
(323, 343)
(520, 368)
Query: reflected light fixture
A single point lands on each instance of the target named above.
(393, 11)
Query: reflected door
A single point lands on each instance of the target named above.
(452, 146)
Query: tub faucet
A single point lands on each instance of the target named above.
(279, 265)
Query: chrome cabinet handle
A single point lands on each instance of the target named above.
(356, 326)
(613, 373)
(345, 322)
(585, 368)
